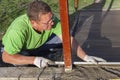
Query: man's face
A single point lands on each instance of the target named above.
(45, 22)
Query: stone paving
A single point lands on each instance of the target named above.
(91, 72)
(29, 73)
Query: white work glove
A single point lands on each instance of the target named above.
(93, 59)
(42, 62)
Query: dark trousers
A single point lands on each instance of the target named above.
(46, 50)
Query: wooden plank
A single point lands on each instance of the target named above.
(65, 34)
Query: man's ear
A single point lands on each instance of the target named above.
(32, 22)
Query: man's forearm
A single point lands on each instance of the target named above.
(77, 48)
(17, 59)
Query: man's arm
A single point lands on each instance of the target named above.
(17, 59)
(81, 54)
(76, 47)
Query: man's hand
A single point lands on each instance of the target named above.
(42, 62)
(93, 59)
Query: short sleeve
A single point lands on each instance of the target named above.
(13, 42)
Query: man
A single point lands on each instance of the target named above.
(31, 31)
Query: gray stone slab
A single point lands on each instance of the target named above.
(9, 73)
(51, 74)
(47, 76)
(31, 73)
(8, 78)
(19, 73)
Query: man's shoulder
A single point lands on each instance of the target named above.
(20, 22)
(21, 18)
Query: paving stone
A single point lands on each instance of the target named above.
(9, 73)
(8, 78)
(31, 73)
(19, 73)
(51, 74)
(47, 76)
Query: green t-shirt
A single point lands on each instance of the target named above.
(20, 35)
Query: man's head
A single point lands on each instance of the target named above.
(36, 9)
(40, 15)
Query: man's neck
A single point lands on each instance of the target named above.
(35, 27)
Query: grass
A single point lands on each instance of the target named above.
(82, 3)
(5, 20)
